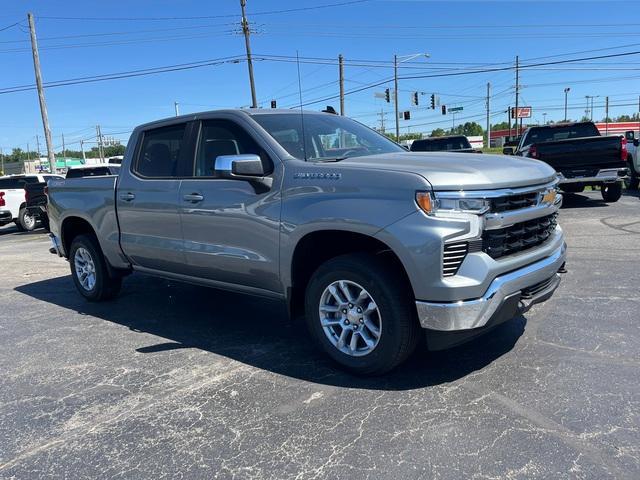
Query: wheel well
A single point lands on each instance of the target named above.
(71, 228)
(316, 248)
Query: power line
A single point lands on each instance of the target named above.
(201, 17)
(9, 26)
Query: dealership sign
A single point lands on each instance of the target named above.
(522, 112)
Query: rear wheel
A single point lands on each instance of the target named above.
(89, 270)
(360, 318)
(633, 180)
(611, 192)
(27, 220)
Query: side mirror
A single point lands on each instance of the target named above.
(507, 151)
(636, 142)
(234, 166)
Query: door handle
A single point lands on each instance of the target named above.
(193, 197)
(127, 197)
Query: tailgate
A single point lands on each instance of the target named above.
(585, 153)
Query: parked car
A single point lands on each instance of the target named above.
(633, 161)
(36, 195)
(452, 143)
(13, 201)
(371, 242)
(579, 154)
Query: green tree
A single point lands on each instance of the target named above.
(500, 126)
(438, 132)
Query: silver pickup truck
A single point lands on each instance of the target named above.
(373, 245)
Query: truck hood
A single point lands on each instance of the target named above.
(461, 171)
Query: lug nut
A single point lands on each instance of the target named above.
(346, 322)
(359, 310)
(344, 310)
(355, 327)
(362, 320)
(351, 305)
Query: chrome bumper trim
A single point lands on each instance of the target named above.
(605, 175)
(493, 221)
(468, 314)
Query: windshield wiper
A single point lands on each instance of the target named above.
(329, 159)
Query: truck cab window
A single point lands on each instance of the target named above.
(160, 151)
(222, 137)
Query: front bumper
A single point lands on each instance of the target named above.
(5, 217)
(508, 294)
(607, 175)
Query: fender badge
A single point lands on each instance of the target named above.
(317, 175)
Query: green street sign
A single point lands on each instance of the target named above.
(456, 109)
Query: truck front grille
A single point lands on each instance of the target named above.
(516, 238)
(514, 202)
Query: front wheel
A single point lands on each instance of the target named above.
(360, 314)
(89, 270)
(611, 192)
(632, 181)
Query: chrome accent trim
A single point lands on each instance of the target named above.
(504, 192)
(468, 314)
(493, 221)
(604, 175)
(55, 245)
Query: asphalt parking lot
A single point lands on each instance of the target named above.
(176, 381)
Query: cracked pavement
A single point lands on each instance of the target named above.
(176, 381)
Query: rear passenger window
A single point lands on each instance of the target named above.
(160, 151)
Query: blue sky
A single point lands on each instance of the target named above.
(119, 36)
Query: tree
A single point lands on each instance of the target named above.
(438, 132)
(500, 126)
(469, 129)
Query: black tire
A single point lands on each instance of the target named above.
(18, 226)
(611, 192)
(44, 220)
(105, 287)
(27, 221)
(632, 182)
(572, 188)
(399, 332)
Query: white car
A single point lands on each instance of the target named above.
(13, 202)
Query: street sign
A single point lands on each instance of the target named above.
(456, 109)
(523, 112)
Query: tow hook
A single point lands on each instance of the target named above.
(562, 268)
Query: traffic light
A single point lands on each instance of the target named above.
(387, 95)
(444, 109)
(415, 98)
(433, 101)
(273, 104)
(407, 115)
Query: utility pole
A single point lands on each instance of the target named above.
(246, 31)
(341, 76)
(64, 158)
(395, 100)
(382, 115)
(517, 90)
(1, 161)
(84, 157)
(175, 105)
(544, 116)
(38, 144)
(509, 120)
(566, 92)
(606, 115)
(488, 115)
(43, 102)
(100, 147)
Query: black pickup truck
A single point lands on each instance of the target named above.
(36, 195)
(451, 143)
(580, 156)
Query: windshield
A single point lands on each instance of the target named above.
(325, 137)
(440, 144)
(551, 134)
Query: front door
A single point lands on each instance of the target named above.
(230, 227)
(147, 201)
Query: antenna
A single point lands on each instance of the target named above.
(304, 140)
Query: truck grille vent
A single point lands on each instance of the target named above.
(533, 290)
(518, 237)
(454, 254)
(514, 202)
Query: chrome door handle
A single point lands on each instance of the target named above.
(193, 197)
(127, 197)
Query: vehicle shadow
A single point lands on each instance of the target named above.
(13, 231)
(578, 200)
(257, 332)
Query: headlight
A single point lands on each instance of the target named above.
(451, 204)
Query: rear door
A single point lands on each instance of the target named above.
(147, 199)
(14, 192)
(230, 227)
